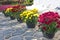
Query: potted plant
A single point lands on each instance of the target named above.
(21, 9)
(30, 18)
(16, 10)
(49, 23)
(6, 12)
(13, 12)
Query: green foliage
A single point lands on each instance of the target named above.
(50, 28)
(27, 2)
(33, 20)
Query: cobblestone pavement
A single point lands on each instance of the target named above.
(13, 30)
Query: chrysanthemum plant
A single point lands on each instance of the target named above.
(30, 16)
(15, 10)
(49, 22)
(7, 11)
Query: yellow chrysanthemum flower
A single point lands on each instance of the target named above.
(36, 15)
(25, 20)
(24, 12)
(29, 17)
(26, 17)
(28, 14)
(29, 11)
(8, 10)
(35, 10)
(21, 15)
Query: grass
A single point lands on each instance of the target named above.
(9, 3)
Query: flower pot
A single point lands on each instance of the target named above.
(12, 18)
(19, 20)
(30, 25)
(48, 35)
(5, 15)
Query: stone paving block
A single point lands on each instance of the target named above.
(1, 35)
(20, 25)
(6, 25)
(0, 12)
(13, 23)
(1, 15)
(8, 33)
(34, 38)
(24, 26)
(3, 21)
(29, 33)
(18, 31)
(38, 34)
(3, 27)
(16, 38)
(30, 38)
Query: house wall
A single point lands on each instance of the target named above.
(45, 4)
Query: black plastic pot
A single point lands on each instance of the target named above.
(5, 15)
(19, 20)
(48, 35)
(30, 25)
(12, 18)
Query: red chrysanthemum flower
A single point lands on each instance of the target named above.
(44, 28)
